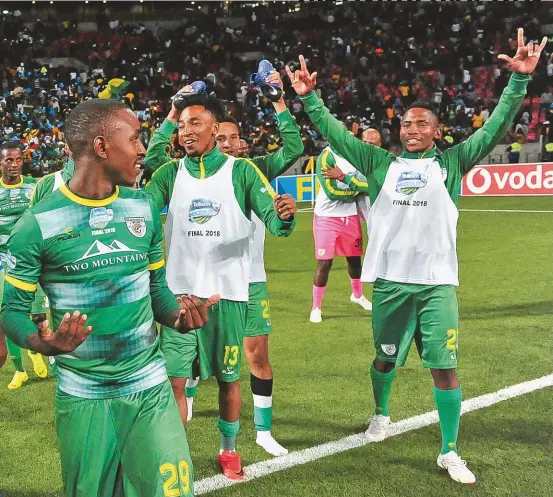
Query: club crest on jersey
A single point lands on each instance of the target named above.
(410, 181)
(14, 193)
(100, 217)
(202, 210)
(388, 349)
(136, 225)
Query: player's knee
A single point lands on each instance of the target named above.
(445, 379)
(257, 352)
(178, 385)
(3, 358)
(384, 366)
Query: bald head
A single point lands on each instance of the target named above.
(372, 136)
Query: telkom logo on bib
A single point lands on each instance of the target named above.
(202, 210)
(410, 181)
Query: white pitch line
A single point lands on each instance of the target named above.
(501, 210)
(264, 468)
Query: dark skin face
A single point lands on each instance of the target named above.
(197, 130)
(419, 129)
(122, 149)
(12, 164)
(228, 139)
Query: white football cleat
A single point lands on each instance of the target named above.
(456, 467)
(363, 302)
(316, 316)
(266, 441)
(378, 427)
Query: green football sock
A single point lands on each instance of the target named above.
(448, 403)
(14, 352)
(228, 433)
(191, 387)
(382, 386)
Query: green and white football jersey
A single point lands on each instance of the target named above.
(100, 257)
(14, 200)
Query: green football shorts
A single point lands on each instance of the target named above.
(258, 315)
(217, 345)
(429, 314)
(131, 446)
(40, 303)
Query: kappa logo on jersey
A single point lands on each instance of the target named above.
(388, 349)
(8, 259)
(444, 173)
(202, 210)
(136, 225)
(411, 181)
(100, 217)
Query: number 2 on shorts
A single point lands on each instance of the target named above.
(231, 355)
(451, 343)
(170, 487)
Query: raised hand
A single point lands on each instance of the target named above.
(193, 312)
(285, 206)
(71, 333)
(301, 80)
(527, 56)
(274, 78)
(175, 113)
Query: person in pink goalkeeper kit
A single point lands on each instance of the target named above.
(339, 205)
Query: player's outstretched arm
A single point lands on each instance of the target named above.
(275, 164)
(362, 156)
(482, 142)
(259, 195)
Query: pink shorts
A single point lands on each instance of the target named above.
(337, 236)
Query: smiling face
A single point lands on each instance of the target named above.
(228, 139)
(419, 129)
(123, 150)
(197, 130)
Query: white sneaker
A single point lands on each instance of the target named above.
(363, 302)
(189, 404)
(316, 316)
(378, 427)
(456, 467)
(266, 441)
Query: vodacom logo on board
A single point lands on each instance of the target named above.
(509, 179)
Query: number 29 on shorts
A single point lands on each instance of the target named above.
(178, 482)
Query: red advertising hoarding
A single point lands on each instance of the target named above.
(509, 180)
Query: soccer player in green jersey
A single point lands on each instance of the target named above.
(96, 246)
(15, 192)
(211, 198)
(411, 255)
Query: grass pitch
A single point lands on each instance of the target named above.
(322, 388)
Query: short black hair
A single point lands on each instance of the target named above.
(229, 119)
(11, 146)
(215, 107)
(419, 104)
(87, 120)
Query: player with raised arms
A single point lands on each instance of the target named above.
(411, 256)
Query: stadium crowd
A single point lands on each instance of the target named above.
(372, 61)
